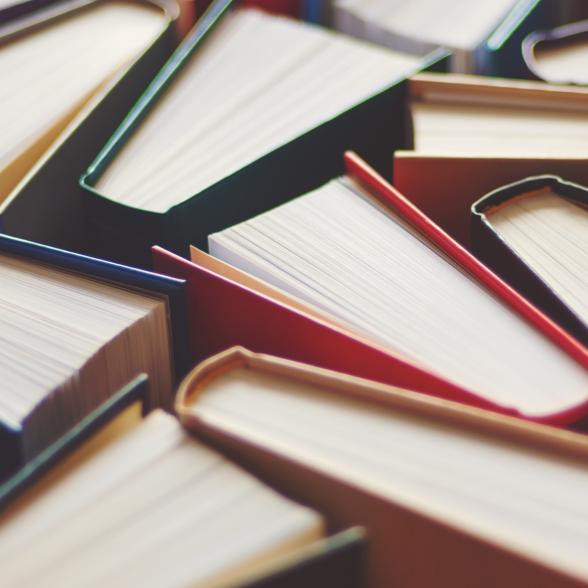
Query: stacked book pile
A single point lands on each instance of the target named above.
(293, 293)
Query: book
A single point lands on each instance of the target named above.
(558, 55)
(372, 281)
(463, 114)
(449, 495)
(532, 234)
(75, 329)
(472, 135)
(304, 117)
(445, 187)
(98, 57)
(482, 39)
(135, 394)
(56, 57)
(140, 505)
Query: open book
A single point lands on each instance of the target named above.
(141, 503)
(534, 233)
(356, 251)
(449, 496)
(259, 81)
(559, 55)
(73, 331)
(472, 135)
(472, 30)
(50, 69)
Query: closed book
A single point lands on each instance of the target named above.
(530, 233)
(448, 495)
(274, 134)
(98, 57)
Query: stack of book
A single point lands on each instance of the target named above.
(297, 298)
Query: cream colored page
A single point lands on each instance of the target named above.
(51, 323)
(461, 24)
(563, 63)
(183, 516)
(336, 250)
(521, 499)
(46, 73)
(550, 234)
(259, 82)
(457, 129)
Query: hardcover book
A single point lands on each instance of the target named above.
(273, 126)
(449, 495)
(131, 500)
(89, 60)
(533, 234)
(75, 329)
(558, 56)
(390, 297)
(472, 135)
(483, 38)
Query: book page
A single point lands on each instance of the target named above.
(550, 234)
(458, 24)
(529, 501)
(499, 130)
(49, 74)
(68, 342)
(344, 254)
(258, 82)
(157, 509)
(562, 61)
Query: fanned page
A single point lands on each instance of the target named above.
(530, 501)
(460, 24)
(49, 73)
(257, 83)
(550, 234)
(67, 343)
(341, 251)
(154, 508)
(516, 124)
(562, 61)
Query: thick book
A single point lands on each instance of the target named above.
(272, 126)
(469, 114)
(449, 495)
(472, 135)
(532, 233)
(483, 38)
(131, 500)
(327, 329)
(558, 56)
(98, 56)
(127, 403)
(74, 330)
